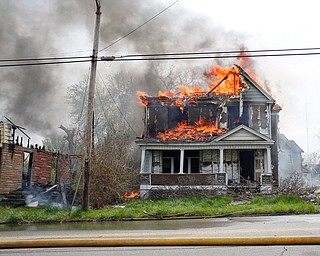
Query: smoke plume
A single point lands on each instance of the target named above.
(33, 97)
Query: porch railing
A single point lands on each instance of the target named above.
(182, 179)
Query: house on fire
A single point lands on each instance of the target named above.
(212, 139)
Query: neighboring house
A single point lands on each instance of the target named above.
(290, 158)
(23, 166)
(225, 136)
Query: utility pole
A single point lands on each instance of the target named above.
(89, 127)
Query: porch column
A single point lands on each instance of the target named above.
(143, 158)
(189, 165)
(172, 165)
(181, 161)
(269, 170)
(149, 162)
(221, 169)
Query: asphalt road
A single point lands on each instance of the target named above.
(243, 228)
(169, 251)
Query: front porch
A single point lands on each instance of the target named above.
(237, 157)
(215, 183)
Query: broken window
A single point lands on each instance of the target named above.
(259, 120)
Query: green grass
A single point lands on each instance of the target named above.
(186, 207)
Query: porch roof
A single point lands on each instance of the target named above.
(241, 137)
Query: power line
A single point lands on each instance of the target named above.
(44, 58)
(214, 57)
(134, 30)
(218, 52)
(42, 63)
(167, 56)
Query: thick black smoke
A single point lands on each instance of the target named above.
(34, 96)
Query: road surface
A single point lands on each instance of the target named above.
(244, 228)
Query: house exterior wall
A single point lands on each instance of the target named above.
(275, 147)
(290, 159)
(47, 167)
(5, 132)
(289, 162)
(11, 166)
(41, 167)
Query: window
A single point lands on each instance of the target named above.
(191, 161)
(171, 161)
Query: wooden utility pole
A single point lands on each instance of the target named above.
(89, 127)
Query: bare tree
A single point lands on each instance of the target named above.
(55, 144)
(70, 133)
(311, 158)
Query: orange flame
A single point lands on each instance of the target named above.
(202, 130)
(132, 195)
(225, 81)
(142, 96)
(247, 64)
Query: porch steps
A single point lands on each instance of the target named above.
(15, 198)
(242, 189)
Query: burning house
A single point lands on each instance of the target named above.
(222, 136)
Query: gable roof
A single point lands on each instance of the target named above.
(253, 83)
(285, 144)
(243, 133)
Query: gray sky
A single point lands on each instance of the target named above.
(33, 96)
(294, 82)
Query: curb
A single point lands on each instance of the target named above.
(182, 241)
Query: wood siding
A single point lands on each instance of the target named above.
(242, 135)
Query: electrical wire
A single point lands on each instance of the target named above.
(214, 57)
(219, 52)
(42, 63)
(168, 56)
(47, 58)
(134, 30)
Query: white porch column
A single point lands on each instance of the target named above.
(143, 158)
(189, 165)
(181, 161)
(221, 169)
(172, 165)
(149, 162)
(269, 170)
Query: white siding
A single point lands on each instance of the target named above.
(242, 135)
